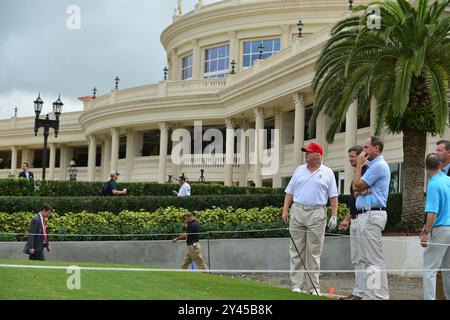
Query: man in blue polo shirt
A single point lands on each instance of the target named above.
(436, 229)
(372, 189)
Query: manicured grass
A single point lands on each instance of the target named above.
(19, 283)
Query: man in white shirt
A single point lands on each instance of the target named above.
(185, 188)
(308, 192)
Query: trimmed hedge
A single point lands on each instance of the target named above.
(118, 204)
(47, 188)
(166, 222)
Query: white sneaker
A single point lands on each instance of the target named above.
(313, 292)
(297, 290)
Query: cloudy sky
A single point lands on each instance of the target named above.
(40, 53)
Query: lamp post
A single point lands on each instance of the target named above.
(202, 177)
(169, 180)
(165, 70)
(117, 82)
(94, 92)
(233, 66)
(300, 25)
(261, 49)
(46, 123)
(72, 171)
(350, 4)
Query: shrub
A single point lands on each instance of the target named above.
(47, 188)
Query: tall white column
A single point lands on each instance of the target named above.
(286, 36)
(52, 161)
(299, 129)
(130, 153)
(114, 149)
(25, 155)
(259, 145)
(63, 163)
(175, 167)
(107, 158)
(163, 145)
(244, 156)
(320, 129)
(234, 50)
(229, 152)
(92, 153)
(196, 60)
(175, 72)
(278, 148)
(351, 131)
(13, 160)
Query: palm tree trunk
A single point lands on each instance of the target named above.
(414, 148)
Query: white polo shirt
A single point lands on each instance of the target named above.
(312, 188)
(185, 190)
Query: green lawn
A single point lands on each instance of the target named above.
(16, 284)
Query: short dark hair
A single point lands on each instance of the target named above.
(46, 207)
(182, 178)
(25, 163)
(444, 142)
(376, 141)
(432, 161)
(356, 148)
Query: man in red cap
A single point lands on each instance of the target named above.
(308, 192)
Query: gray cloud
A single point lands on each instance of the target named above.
(117, 37)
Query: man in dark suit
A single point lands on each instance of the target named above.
(37, 235)
(25, 173)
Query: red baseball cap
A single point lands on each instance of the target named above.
(313, 147)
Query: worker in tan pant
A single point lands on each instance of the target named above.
(194, 254)
(193, 249)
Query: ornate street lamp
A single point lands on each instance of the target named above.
(261, 49)
(117, 82)
(300, 25)
(350, 4)
(169, 178)
(94, 92)
(202, 176)
(233, 66)
(46, 123)
(165, 70)
(72, 171)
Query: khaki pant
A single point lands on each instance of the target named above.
(194, 254)
(307, 227)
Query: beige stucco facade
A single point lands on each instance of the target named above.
(119, 126)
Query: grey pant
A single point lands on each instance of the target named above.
(369, 259)
(307, 227)
(355, 235)
(435, 257)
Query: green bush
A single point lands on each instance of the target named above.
(47, 188)
(118, 204)
(129, 225)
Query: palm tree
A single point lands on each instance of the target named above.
(405, 66)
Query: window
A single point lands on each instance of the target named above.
(308, 115)
(339, 176)
(122, 147)
(269, 126)
(186, 71)
(217, 61)
(364, 121)
(150, 145)
(80, 155)
(251, 50)
(395, 185)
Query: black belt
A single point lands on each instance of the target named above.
(360, 211)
